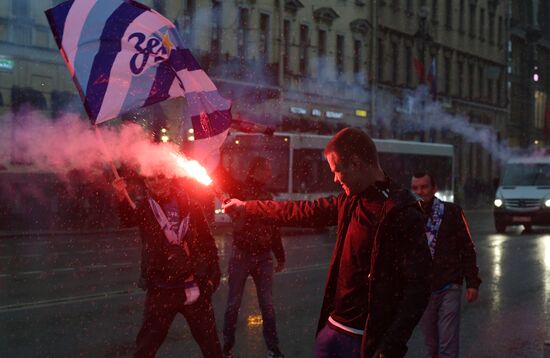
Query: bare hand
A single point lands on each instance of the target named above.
(233, 207)
(471, 294)
(280, 266)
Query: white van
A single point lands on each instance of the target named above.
(523, 197)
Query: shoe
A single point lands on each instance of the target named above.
(227, 352)
(274, 353)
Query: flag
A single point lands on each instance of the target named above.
(420, 72)
(432, 79)
(123, 55)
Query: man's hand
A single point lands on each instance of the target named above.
(471, 294)
(120, 188)
(233, 207)
(280, 266)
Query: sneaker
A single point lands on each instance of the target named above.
(227, 352)
(274, 353)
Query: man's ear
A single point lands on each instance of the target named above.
(355, 161)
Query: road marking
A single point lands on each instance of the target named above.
(65, 269)
(31, 273)
(112, 294)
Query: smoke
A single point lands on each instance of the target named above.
(70, 143)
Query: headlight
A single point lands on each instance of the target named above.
(547, 203)
(498, 203)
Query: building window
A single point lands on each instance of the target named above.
(357, 57)
(490, 91)
(540, 107)
(408, 65)
(471, 78)
(395, 63)
(481, 81)
(461, 79)
(434, 10)
(461, 17)
(482, 24)
(380, 60)
(286, 39)
(188, 16)
(500, 31)
(215, 39)
(447, 64)
(340, 65)
(449, 14)
(321, 52)
(242, 34)
(472, 31)
(409, 6)
(304, 47)
(264, 38)
(491, 28)
(20, 8)
(499, 91)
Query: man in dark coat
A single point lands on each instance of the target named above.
(378, 282)
(454, 259)
(253, 242)
(179, 263)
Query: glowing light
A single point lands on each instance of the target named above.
(237, 141)
(164, 138)
(536, 141)
(163, 130)
(547, 203)
(191, 138)
(191, 131)
(193, 169)
(254, 320)
(498, 203)
(536, 77)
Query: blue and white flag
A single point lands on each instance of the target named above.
(123, 55)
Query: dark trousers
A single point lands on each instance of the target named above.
(331, 343)
(440, 323)
(161, 307)
(260, 268)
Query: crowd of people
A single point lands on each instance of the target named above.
(400, 258)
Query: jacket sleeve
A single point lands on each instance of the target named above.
(414, 262)
(468, 254)
(318, 213)
(207, 267)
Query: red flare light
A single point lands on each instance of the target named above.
(192, 169)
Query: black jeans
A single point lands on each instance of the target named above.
(161, 307)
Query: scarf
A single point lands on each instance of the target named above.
(433, 224)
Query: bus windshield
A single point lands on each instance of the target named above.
(527, 174)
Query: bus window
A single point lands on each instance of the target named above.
(311, 173)
(237, 154)
(400, 167)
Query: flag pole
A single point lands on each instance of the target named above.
(113, 168)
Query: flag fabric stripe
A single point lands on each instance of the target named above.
(58, 17)
(85, 46)
(99, 76)
(196, 81)
(184, 60)
(162, 84)
(196, 102)
(217, 122)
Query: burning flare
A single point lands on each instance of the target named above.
(192, 169)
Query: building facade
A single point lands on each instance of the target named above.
(319, 66)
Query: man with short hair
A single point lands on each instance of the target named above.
(378, 282)
(253, 242)
(454, 258)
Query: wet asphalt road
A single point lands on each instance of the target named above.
(75, 295)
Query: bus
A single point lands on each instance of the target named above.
(301, 172)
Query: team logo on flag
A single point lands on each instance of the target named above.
(153, 47)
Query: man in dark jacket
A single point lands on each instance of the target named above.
(253, 242)
(454, 258)
(378, 282)
(179, 263)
